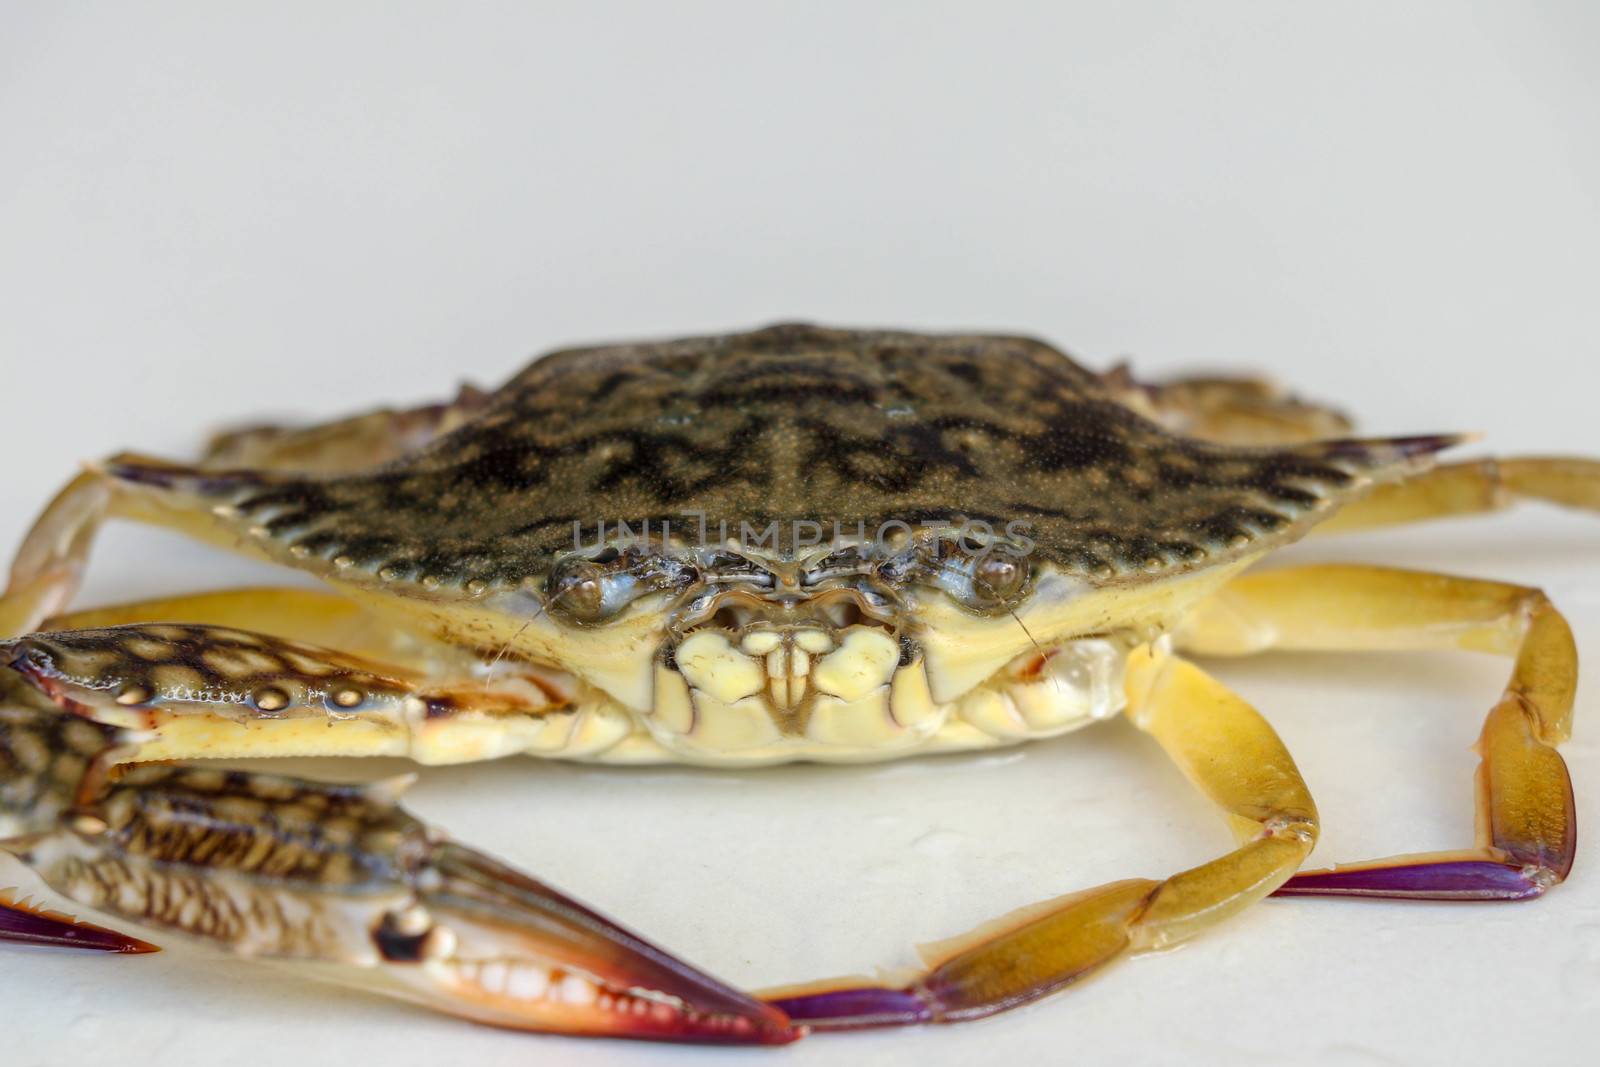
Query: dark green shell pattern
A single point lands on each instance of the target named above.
(787, 423)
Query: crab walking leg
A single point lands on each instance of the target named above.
(1527, 832)
(358, 442)
(339, 883)
(1471, 488)
(1227, 749)
(1227, 410)
(50, 564)
(308, 616)
(49, 567)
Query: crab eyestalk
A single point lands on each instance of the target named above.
(338, 883)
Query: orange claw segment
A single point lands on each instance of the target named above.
(513, 951)
(340, 883)
(23, 921)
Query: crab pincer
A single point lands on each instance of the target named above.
(493, 944)
(339, 883)
(25, 922)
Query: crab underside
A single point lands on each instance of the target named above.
(792, 544)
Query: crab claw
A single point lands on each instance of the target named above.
(28, 923)
(488, 942)
(339, 883)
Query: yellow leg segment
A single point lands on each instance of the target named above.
(1472, 488)
(1232, 755)
(358, 442)
(1526, 828)
(50, 564)
(313, 616)
(1228, 410)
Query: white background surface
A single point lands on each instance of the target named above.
(209, 215)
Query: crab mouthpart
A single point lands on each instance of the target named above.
(492, 944)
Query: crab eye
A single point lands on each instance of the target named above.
(999, 576)
(841, 563)
(593, 589)
(723, 566)
(576, 590)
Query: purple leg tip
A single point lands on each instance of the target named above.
(849, 1009)
(1445, 880)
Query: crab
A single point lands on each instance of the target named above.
(791, 544)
